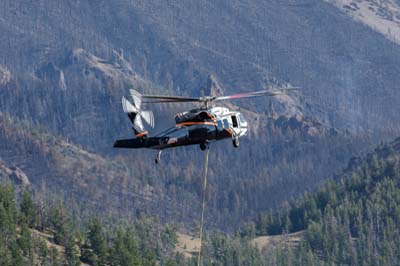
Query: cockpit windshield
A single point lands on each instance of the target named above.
(241, 119)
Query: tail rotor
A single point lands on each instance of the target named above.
(136, 115)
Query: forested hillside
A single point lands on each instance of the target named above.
(34, 233)
(128, 185)
(64, 67)
(352, 220)
(68, 198)
(340, 64)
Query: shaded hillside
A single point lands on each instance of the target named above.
(352, 220)
(65, 66)
(129, 185)
(49, 235)
(55, 168)
(347, 72)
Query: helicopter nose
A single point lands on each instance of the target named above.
(243, 121)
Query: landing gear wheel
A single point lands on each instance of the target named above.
(235, 142)
(203, 146)
(158, 157)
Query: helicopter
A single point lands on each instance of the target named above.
(199, 126)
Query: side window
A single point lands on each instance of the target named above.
(219, 125)
(234, 121)
(226, 124)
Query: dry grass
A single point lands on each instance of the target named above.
(187, 245)
(48, 238)
(263, 242)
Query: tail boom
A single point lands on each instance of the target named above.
(137, 143)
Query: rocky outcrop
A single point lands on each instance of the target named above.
(51, 73)
(213, 88)
(15, 174)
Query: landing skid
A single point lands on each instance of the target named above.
(158, 157)
(235, 142)
(204, 145)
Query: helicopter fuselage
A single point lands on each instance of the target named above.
(198, 126)
(194, 127)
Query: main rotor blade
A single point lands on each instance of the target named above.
(252, 94)
(167, 99)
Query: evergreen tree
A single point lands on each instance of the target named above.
(71, 250)
(28, 210)
(97, 241)
(125, 251)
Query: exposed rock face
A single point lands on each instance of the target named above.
(308, 126)
(5, 75)
(213, 88)
(52, 74)
(16, 175)
(381, 16)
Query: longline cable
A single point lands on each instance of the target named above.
(203, 204)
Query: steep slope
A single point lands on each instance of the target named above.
(352, 220)
(65, 66)
(381, 16)
(82, 179)
(346, 71)
(33, 233)
(127, 185)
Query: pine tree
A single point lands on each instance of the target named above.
(43, 253)
(97, 241)
(125, 251)
(71, 250)
(54, 257)
(28, 210)
(25, 241)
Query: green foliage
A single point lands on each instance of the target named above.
(125, 250)
(28, 210)
(19, 247)
(97, 243)
(352, 221)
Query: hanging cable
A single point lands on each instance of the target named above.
(203, 204)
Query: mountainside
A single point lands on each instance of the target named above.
(339, 64)
(53, 167)
(352, 220)
(64, 67)
(128, 186)
(33, 233)
(381, 16)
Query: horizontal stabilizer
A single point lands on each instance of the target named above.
(129, 143)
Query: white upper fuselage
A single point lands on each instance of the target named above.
(226, 119)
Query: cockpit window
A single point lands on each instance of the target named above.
(241, 118)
